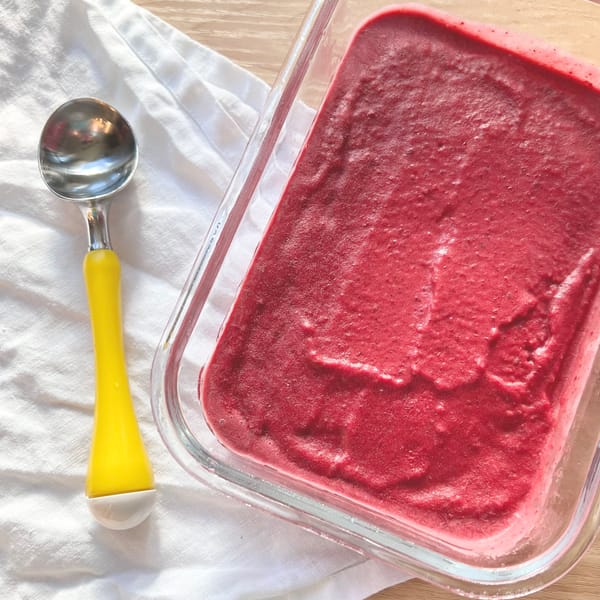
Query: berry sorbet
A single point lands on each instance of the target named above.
(411, 330)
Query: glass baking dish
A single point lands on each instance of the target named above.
(568, 515)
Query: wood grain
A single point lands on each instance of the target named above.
(257, 34)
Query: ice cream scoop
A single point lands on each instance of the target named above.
(87, 153)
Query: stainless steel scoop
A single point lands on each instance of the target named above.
(87, 153)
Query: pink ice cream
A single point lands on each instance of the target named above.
(407, 327)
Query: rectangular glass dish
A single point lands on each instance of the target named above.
(560, 520)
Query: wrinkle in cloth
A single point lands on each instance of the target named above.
(192, 111)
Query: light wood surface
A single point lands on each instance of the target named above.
(257, 34)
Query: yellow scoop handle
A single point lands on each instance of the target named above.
(118, 461)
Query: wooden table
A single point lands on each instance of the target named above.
(257, 35)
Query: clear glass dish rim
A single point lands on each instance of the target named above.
(459, 577)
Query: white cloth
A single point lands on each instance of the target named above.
(192, 111)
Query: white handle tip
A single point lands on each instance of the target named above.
(122, 511)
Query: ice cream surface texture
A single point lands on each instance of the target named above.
(409, 333)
